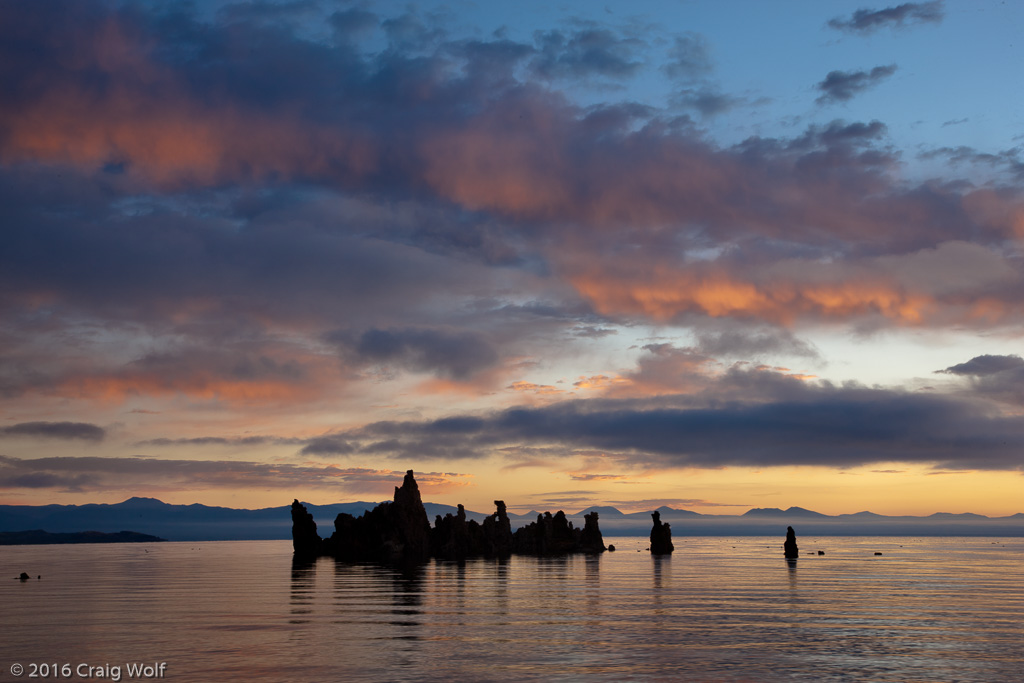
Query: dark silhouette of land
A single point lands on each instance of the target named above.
(399, 531)
(661, 536)
(789, 548)
(40, 537)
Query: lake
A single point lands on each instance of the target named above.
(719, 609)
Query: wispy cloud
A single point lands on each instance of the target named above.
(75, 431)
(869, 20)
(77, 474)
(842, 86)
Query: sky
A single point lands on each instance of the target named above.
(712, 255)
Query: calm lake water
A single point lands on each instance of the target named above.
(731, 609)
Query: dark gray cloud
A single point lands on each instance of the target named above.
(1008, 159)
(868, 20)
(754, 343)
(76, 431)
(707, 100)
(689, 59)
(981, 366)
(328, 445)
(592, 332)
(841, 86)
(842, 133)
(454, 354)
(1000, 378)
(230, 441)
(586, 52)
(690, 66)
(769, 420)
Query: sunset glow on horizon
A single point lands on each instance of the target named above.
(715, 256)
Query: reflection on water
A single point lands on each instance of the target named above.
(719, 608)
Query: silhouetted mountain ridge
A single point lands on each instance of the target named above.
(776, 512)
(198, 522)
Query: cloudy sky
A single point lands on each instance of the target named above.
(715, 255)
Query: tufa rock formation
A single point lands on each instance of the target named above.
(306, 542)
(555, 535)
(453, 538)
(591, 540)
(549, 535)
(661, 536)
(789, 547)
(399, 531)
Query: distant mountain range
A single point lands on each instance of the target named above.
(206, 523)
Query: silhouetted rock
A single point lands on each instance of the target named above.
(412, 540)
(306, 541)
(24, 577)
(455, 538)
(450, 536)
(497, 530)
(395, 531)
(611, 548)
(591, 540)
(399, 530)
(549, 535)
(661, 536)
(789, 547)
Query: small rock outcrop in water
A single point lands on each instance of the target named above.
(591, 540)
(399, 530)
(306, 541)
(661, 536)
(789, 547)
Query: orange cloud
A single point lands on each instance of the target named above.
(663, 293)
(530, 387)
(147, 117)
(520, 172)
(115, 389)
(585, 476)
(177, 141)
(599, 382)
